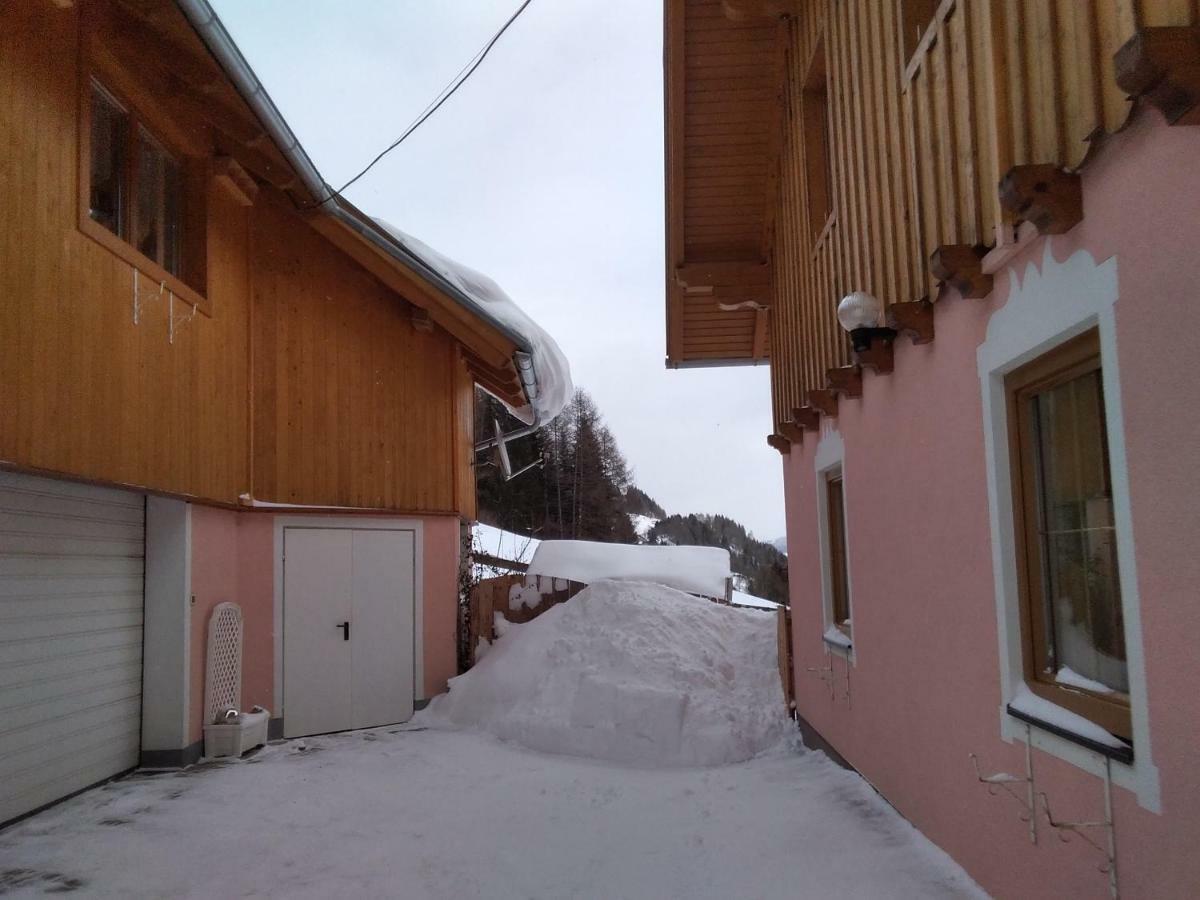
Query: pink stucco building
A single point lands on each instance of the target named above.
(989, 481)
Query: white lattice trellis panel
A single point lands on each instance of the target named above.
(223, 669)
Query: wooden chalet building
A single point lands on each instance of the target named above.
(218, 382)
(990, 483)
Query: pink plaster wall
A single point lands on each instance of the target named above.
(233, 558)
(441, 603)
(925, 687)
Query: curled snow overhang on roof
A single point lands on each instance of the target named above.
(541, 374)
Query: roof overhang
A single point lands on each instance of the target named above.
(723, 64)
(205, 68)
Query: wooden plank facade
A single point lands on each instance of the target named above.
(899, 143)
(292, 372)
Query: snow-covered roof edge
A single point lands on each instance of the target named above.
(541, 365)
(549, 388)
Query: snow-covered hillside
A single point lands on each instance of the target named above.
(493, 541)
(642, 525)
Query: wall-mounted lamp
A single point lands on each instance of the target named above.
(860, 313)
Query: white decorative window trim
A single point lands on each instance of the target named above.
(1046, 308)
(828, 460)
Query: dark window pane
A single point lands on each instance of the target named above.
(149, 183)
(159, 207)
(172, 216)
(109, 139)
(839, 573)
(1084, 627)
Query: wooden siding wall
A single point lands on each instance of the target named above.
(919, 146)
(83, 389)
(464, 441)
(351, 404)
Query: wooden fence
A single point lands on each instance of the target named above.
(519, 598)
(783, 618)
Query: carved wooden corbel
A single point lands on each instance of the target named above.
(845, 380)
(824, 401)
(1044, 195)
(961, 267)
(1162, 65)
(914, 319)
(878, 356)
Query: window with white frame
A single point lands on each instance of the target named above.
(834, 539)
(1073, 630)
(839, 573)
(1061, 522)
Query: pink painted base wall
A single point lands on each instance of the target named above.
(925, 686)
(233, 558)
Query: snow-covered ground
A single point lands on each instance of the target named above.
(694, 787)
(432, 814)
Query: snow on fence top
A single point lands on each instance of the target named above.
(696, 570)
(741, 598)
(552, 372)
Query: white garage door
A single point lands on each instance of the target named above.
(71, 588)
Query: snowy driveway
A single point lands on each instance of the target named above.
(416, 814)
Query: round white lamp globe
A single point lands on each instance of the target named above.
(859, 310)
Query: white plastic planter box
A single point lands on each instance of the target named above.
(237, 736)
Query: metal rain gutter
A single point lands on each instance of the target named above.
(204, 20)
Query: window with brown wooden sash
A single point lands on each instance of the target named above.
(839, 575)
(137, 197)
(915, 18)
(814, 108)
(1072, 626)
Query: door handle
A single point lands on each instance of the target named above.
(345, 626)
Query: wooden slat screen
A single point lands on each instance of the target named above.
(919, 145)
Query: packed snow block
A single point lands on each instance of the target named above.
(696, 570)
(627, 719)
(630, 672)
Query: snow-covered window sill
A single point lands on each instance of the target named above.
(1048, 717)
(837, 639)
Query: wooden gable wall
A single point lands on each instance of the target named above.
(308, 383)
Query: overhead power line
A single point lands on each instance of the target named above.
(446, 93)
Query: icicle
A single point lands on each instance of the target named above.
(137, 297)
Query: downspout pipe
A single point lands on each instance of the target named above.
(207, 24)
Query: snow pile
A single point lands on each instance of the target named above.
(633, 673)
(697, 570)
(550, 366)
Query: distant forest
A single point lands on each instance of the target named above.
(584, 490)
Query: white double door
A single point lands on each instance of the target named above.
(348, 628)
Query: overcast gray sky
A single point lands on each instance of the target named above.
(545, 171)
